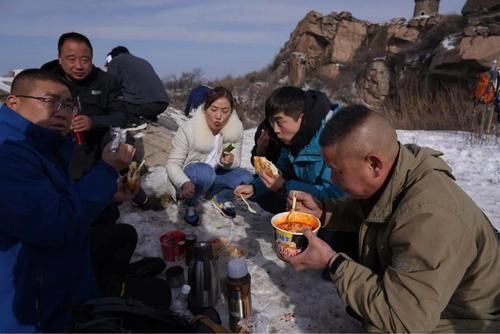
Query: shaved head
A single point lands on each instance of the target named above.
(360, 146)
(357, 131)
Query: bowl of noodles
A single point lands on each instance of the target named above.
(288, 231)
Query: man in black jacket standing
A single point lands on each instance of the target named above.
(143, 92)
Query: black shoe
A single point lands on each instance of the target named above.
(147, 267)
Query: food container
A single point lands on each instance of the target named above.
(288, 231)
(172, 245)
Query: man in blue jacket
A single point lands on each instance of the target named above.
(45, 267)
(296, 118)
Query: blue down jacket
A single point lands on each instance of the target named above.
(308, 169)
(45, 267)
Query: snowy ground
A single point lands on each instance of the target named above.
(303, 302)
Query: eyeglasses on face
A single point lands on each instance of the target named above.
(53, 103)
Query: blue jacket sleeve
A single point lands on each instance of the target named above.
(37, 212)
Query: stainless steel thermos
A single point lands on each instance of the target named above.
(237, 292)
(202, 277)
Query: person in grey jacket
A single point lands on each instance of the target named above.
(143, 92)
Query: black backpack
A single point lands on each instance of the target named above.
(119, 315)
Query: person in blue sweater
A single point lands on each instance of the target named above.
(297, 118)
(45, 265)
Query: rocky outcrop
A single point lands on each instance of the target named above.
(355, 61)
(154, 143)
(472, 51)
(483, 17)
(322, 42)
(297, 69)
(374, 84)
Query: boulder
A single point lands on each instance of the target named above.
(472, 54)
(329, 71)
(154, 144)
(374, 84)
(297, 69)
(349, 37)
(479, 7)
(400, 37)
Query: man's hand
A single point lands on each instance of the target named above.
(306, 203)
(81, 123)
(123, 193)
(244, 190)
(187, 190)
(273, 184)
(121, 158)
(226, 159)
(316, 256)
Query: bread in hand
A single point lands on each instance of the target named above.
(133, 176)
(262, 164)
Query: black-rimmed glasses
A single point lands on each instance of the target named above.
(53, 103)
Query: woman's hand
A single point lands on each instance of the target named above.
(226, 159)
(187, 190)
(306, 203)
(244, 190)
(273, 184)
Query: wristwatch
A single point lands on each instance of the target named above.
(335, 264)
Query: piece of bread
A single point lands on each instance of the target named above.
(262, 164)
(133, 176)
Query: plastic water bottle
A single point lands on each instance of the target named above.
(180, 304)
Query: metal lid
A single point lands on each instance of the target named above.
(175, 276)
(203, 250)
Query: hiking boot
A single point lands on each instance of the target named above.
(191, 216)
(226, 209)
(147, 267)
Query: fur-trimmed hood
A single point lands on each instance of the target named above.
(203, 140)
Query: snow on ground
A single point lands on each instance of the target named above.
(303, 302)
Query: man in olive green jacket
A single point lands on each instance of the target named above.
(428, 257)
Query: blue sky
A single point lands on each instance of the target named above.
(219, 36)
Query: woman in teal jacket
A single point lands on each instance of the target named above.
(297, 118)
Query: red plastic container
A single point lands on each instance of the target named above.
(172, 245)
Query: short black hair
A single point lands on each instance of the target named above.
(288, 99)
(76, 37)
(118, 51)
(23, 82)
(343, 123)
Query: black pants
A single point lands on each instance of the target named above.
(272, 202)
(112, 246)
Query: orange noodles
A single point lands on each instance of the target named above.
(297, 222)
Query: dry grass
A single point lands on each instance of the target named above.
(431, 104)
